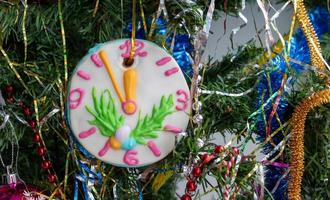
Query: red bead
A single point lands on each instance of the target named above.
(46, 164)
(197, 171)
(186, 197)
(32, 124)
(27, 111)
(206, 158)
(51, 178)
(21, 104)
(36, 137)
(9, 89)
(10, 99)
(191, 186)
(218, 149)
(41, 151)
(236, 150)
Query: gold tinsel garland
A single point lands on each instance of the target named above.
(297, 140)
(301, 111)
(309, 32)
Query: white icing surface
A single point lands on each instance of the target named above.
(152, 84)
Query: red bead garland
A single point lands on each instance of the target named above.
(206, 159)
(191, 186)
(9, 89)
(41, 149)
(186, 197)
(27, 111)
(51, 178)
(10, 100)
(46, 164)
(218, 149)
(32, 124)
(197, 172)
(36, 137)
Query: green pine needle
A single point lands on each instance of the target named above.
(107, 120)
(148, 127)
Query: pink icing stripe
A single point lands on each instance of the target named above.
(143, 54)
(153, 147)
(105, 149)
(172, 129)
(129, 158)
(83, 75)
(87, 133)
(163, 61)
(96, 60)
(171, 71)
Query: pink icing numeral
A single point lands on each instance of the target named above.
(138, 49)
(153, 147)
(163, 61)
(105, 149)
(171, 71)
(172, 129)
(87, 133)
(183, 101)
(75, 100)
(96, 60)
(129, 157)
(83, 75)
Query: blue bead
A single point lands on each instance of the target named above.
(128, 144)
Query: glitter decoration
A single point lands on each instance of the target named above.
(299, 51)
(297, 140)
(311, 36)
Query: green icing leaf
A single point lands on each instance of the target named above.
(147, 127)
(107, 120)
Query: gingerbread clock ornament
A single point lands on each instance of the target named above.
(128, 116)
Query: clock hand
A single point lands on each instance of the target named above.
(128, 105)
(130, 77)
(112, 76)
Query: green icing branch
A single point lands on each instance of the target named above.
(148, 127)
(107, 120)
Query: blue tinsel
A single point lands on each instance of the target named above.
(320, 19)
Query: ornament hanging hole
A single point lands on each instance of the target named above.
(128, 62)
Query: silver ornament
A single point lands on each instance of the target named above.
(198, 119)
(197, 105)
(200, 143)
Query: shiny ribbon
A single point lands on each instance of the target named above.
(279, 180)
(132, 52)
(269, 35)
(161, 9)
(234, 31)
(261, 180)
(88, 181)
(87, 193)
(65, 56)
(199, 46)
(2, 101)
(228, 94)
(275, 164)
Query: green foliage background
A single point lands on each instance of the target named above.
(39, 61)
